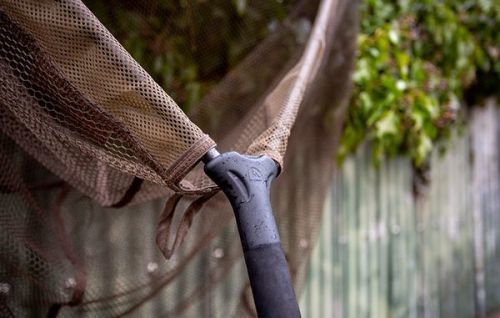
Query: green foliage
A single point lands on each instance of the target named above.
(416, 61)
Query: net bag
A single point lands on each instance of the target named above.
(99, 164)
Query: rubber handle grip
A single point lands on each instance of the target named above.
(271, 282)
(246, 181)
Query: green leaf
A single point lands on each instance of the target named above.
(387, 125)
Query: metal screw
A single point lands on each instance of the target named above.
(70, 283)
(152, 267)
(4, 288)
(218, 253)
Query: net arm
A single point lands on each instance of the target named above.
(246, 181)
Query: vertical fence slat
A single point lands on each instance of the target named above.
(388, 252)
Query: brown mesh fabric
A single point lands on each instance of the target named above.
(84, 126)
(150, 138)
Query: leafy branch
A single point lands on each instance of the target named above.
(416, 61)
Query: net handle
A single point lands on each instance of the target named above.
(246, 181)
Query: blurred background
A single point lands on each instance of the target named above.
(411, 226)
(399, 216)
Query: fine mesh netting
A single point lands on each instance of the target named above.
(99, 165)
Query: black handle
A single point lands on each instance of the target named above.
(271, 283)
(246, 182)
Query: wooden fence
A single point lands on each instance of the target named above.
(393, 247)
(388, 246)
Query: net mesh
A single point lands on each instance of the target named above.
(99, 164)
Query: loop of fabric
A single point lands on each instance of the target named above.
(166, 218)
